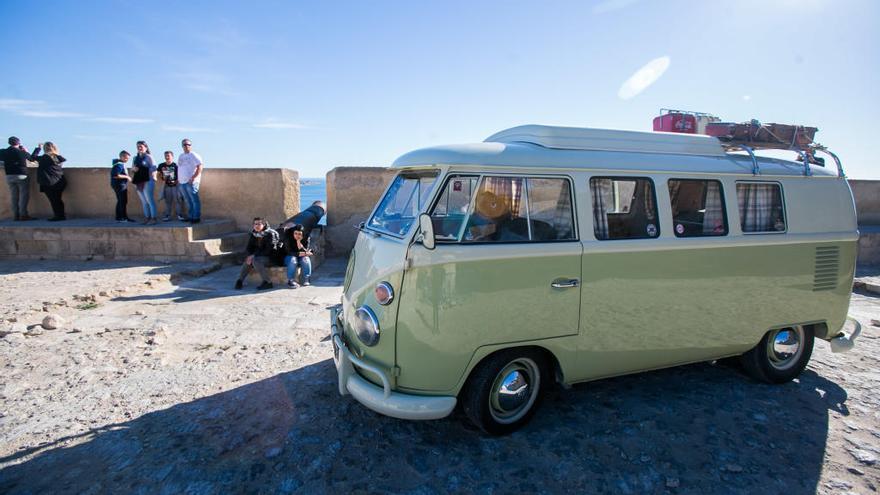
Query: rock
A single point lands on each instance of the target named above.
(672, 482)
(273, 452)
(34, 331)
(52, 322)
(875, 323)
(76, 330)
(156, 336)
(733, 468)
(865, 457)
(139, 313)
(856, 471)
(104, 293)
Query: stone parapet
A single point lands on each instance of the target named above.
(239, 194)
(352, 192)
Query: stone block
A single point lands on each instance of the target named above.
(85, 234)
(129, 249)
(182, 234)
(102, 248)
(37, 248)
(8, 247)
(22, 233)
(46, 234)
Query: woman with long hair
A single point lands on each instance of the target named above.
(50, 176)
(144, 179)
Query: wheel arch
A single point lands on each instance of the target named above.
(484, 353)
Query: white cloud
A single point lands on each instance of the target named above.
(276, 124)
(747, 97)
(15, 104)
(181, 128)
(643, 78)
(121, 120)
(612, 5)
(49, 114)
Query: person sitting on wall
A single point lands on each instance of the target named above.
(298, 252)
(261, 244)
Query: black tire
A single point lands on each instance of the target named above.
(499, 413)
(771, 362)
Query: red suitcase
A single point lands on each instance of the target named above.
(676, 122)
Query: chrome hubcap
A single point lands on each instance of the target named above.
(784, 347)
(514, 390)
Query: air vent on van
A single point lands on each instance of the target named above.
(826, 268)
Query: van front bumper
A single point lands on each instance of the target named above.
(380, 399)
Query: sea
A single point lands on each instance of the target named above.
(311, 190)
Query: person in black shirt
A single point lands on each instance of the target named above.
(262, 244)
(50, 176)
(15, 165)
(171, 192)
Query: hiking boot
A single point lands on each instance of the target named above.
(238, 284)
(264, 286)
(306, 282)
(292, 285)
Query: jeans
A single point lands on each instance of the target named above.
(19, 194)
(173, 196)
(145, 193)
(302, 261)
(121, 203)
(191, 193)
(260, 263)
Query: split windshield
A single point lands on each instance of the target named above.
(403, 202)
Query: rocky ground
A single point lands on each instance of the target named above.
(184, 385)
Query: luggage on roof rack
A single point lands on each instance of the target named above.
(763, 136)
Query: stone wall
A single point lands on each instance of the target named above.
(352, 192)
(867, 196)
(235, 193)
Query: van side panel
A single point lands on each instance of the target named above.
(661, 307)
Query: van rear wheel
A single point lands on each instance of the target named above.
(780, 356)
(504, 390)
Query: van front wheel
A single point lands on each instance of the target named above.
(781, 355)
(504, 391)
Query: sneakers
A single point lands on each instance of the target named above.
(292, 284)
(306, 282)
(238, 284)
(180, 219)
(166, 218)
(264, 286)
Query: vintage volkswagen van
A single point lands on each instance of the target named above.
(488, 272)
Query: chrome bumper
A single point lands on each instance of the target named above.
(844, 342)
(382, 400)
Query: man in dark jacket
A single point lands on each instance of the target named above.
(15, 164)
(261, 245)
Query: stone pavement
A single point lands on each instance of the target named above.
(195, 387)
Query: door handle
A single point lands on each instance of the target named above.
(564, 283)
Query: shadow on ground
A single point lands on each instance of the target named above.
(695, 429)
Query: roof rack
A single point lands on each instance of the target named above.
(806, 155)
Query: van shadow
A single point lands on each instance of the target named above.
(698, 429)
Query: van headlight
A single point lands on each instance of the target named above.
(366, 325)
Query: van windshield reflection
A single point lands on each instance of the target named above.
(403, 202)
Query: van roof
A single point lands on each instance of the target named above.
(601, 149)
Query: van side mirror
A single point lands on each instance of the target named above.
(426, 231)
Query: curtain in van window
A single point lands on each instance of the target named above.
(713, 218)
(600, 189)
(756, 205)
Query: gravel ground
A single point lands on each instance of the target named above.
(192, 387)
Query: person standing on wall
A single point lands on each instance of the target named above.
(119, 182)
(144, 179)
(15, 164)
(189, 165)
(50, 176)
(171, 191)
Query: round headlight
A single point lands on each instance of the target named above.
(384, 293)
(367, 326)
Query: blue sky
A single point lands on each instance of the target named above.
(312, 86)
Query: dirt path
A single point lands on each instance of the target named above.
(199, 388)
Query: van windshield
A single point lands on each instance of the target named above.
(403, 202)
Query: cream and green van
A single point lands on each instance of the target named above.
(488, 272)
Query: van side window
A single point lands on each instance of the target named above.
(452, 207)
(499, 212)
(550, 211)
(624, 208)
(760, 207)
(697, 208)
